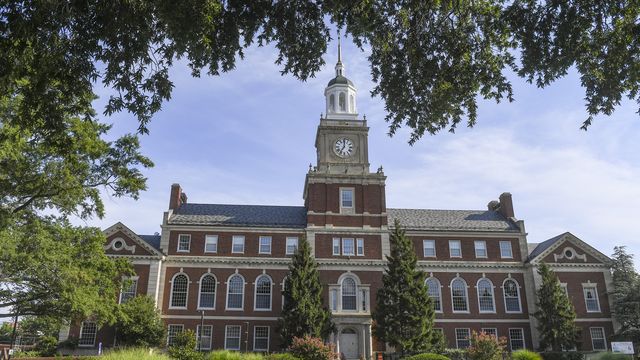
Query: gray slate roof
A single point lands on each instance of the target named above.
(153, 240)
(460, 220)
(339, 80)
(240, 215)
(544, 246)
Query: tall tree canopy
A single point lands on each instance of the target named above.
(431, 60)
(626, 295)
(404, 311)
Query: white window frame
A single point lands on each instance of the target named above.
(604, 338)
(336, 246)
(255, 293)
(169, 333)
(466, 292)
(255, 331)
(198, 337)
(360, 247)
(214, 243)
(493, 297)
(186, 301)
(493, 330)
(134, 285)
(585, 289)
(292, 239)
(353, 246)
(215, 291)
(353, 199)
(226, 337)
(82, 329)
(482, 247)
(524, 342)
(502, 255)
(269, 239)
(565, 288)
(244, 283)
(188, 249)
(233, 243)
(459, 339)
(425, 247)
(504, 296)
(459, 242)
(333, 299)
(355, 295)
(439, 286)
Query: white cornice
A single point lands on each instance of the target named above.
(133, 236)
(575, 240)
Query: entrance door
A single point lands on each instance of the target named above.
(349, 343)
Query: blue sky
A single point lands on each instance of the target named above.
(247, 137)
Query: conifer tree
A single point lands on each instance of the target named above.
(404, 311)
(626, 296)
(556, 315)
(303, 312)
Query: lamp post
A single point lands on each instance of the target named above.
(201, 329)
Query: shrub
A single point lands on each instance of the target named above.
(485, 347)
(131, 354)
(25, 354)
(47, 346)
(184, 347)
(456, 354)
(284, 356)
(612, 356)
(562, 355)
(428, 356)
(71, 343)
(232, 355)
(312, 348)
(525, 355)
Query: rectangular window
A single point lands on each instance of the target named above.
(204, 339)
(292, 245)
(490, 331)
(265, 245)
(591, 299)
(232, 337)
(88, 332)
(237, 245)
(334, 300)
(598, 341)
(128, 290)
(481, 248)
(347, 247)
(363, 299)
(184, 242)
(336, 246)
(261, 338)
(211, 244)
(429, 248)
(462, 338)
(455, 249)
(360, 246)
(516, 339)
(346, 198)
(505, 250)
(172, 331)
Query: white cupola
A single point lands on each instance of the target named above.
(340, 94)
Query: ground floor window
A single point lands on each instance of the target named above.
(232, 337)
(490, 331)
(516, 339)
(261, 338)
(88, 332)
(598, 341)
(462, 338)
(204, 337)
(172, 332)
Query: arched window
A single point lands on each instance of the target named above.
(235, 292)
(179, 290)
(486, 302)
(332, 103)
(459, 295)
(342, 101)
(263, 293)
(434, 293)
(207, 299)
(511, 296)
(349, 294)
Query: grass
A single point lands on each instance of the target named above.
(132, 354)
(232, 355)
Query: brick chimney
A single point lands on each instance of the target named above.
(177, 197)
(506, 205)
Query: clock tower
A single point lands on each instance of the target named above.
(340, 190)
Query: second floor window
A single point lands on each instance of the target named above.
(292, 245)
(346, 198)
(429, 248)
(184, 242)
(433, 286)
(591, 299)
(481, 248)
(511, 296)
(459, 295)
(237, 246)
(336, 246)
(455, 248)
(505, 250)
(207, 298)
(211, 244)
(349, 294)
(128, 290)
(485, 296)
(179, 289)
(360, 247)
(263, 293)
(265, 245)
(235, 293)
(348, 247)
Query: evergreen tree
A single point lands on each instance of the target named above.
(140, 323)
(404, 311)
(626, 295)
(556, 315)
(303, 312)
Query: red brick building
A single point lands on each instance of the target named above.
(230, 261)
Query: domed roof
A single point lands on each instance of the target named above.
(340, 80)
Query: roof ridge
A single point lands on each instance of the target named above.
(440, 209)
(290, 206)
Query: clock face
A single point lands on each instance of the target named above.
(343, 147)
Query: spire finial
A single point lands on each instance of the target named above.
(339, 66)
